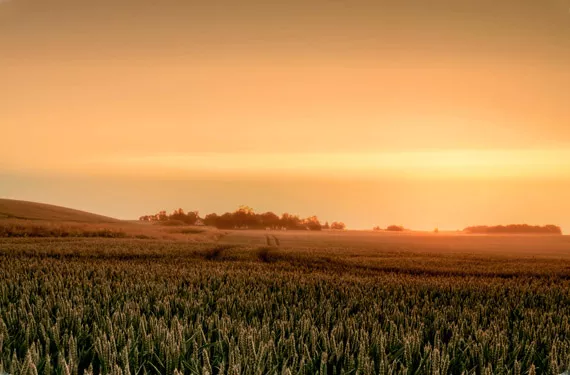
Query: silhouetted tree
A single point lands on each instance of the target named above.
(338, 225)
(226, 221)
(395, 228)
(514, 228)
(312, 223)
(162, 216)
(192, 217)
(243, 217)
(178, 215)
(211, 220)
(290, 221)
(269, 219)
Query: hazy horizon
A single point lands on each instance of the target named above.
(445, 114)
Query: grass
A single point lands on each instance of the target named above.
(30, 229)
(15, 209)
(28, 219)
(328, 303)
(14, 228)
(190, 230)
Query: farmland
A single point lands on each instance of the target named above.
(271, 302)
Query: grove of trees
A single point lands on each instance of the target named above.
(245, 218)
(390, 228)
(190, 218)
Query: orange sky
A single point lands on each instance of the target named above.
(441, 113)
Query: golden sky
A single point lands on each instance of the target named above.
(423, 113)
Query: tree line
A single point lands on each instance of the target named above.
(514, 229)
(389, 228)
(244, 218)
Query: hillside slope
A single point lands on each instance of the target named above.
(15, 209)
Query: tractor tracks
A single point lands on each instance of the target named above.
(272, 240)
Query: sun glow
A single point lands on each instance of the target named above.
(448, 163)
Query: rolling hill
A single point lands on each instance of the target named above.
(15, 209)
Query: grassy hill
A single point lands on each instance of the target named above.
(30, 219)
(15, 209)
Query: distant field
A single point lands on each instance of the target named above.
(257, 302)
(363, 241)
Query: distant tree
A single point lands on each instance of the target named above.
(395, 228)
(245, 209)
(162, 216)
(178, 215)
(244, 216)
(226, 221)
(192, 217)
(290, 221)
(269, 219)
(338, 225)
(211, 220)
(312, 223)
(554, 229)
(514, 229)
(376, 228)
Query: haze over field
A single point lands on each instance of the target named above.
(440, 113)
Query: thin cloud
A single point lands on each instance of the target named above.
(444, 163)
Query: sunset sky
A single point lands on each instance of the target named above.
(422, 113)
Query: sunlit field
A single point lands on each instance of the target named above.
(305, 187)
(272, 302)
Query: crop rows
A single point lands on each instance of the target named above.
(172, 314)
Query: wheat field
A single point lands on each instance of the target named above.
(286, 303)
